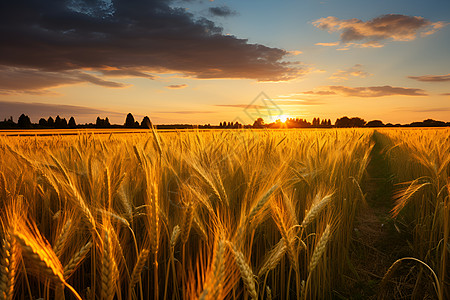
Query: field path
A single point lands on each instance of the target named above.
(377, 241)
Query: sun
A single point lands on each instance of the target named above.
(282, 118)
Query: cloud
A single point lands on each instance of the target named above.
(38, 110)
(445, 94)
(355, 71)
(371, 91)
(394, 27)
(34, 81)
(138, 35)
(327, 44)
(177, 86)
(433, 109)
(431, 78)
(187, 112)
(253, 106)
(294, 101)
(222, 11)
(126, 73)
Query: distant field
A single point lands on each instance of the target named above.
(225, 214)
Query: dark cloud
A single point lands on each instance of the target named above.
(177, 86)
(38, 110)
(34, 81)
(370, 91)
(386, 27)
(222, 11)
(431, 78)
(129, 36)
(445, 94)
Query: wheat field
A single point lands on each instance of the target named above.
(220, 214)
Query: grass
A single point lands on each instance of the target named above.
(232, 214)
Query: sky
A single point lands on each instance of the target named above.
(200, 62)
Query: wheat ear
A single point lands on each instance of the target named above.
(174, 237)
(245, 270)
(44, 260)
(76, 260)
(214, 284)
(109, 269)
(8, 267)
(273, 257)
(320, 248)
(187, 223)
(62, 239)
(287, 239)
(135, 275)
(316, 209)
(268, 293)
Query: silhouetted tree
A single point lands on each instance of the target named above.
(24, 121)
(42, 122)
(102, 123)
(259, 123)
(146, 123)
(129, 121)
(353, 122)
(50, 122)
(60, 123)
(72, 123)
(375, 123)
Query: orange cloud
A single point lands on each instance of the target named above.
(327, 44)
(431, 78)
(386, 27)
(355, 71)
(370, 91)
(177, 86)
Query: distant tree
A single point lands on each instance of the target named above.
(146, 123)
(375, 123)
(102, 123)
(50, 122)
(129, 121)
(60, 123)
(353, 122)
(42, 122)
(24, 121)
(72, 123)
(259, 123)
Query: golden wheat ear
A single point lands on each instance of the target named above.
(39, 252)
(8, 267)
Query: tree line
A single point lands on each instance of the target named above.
(24, 122)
